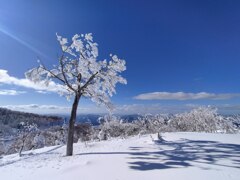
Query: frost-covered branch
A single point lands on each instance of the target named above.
(89, 81)
(80, 72)
(64, 74)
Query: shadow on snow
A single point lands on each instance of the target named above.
(186, 153)
(180, 154)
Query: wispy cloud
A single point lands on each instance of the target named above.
(8, 92)
(52, 109)
(42, 92)
(5, 78)
(41, 109)
(185, 96)
(157, 108)
(36, 106)
(92, 109)
(138, 108)
(154, 108)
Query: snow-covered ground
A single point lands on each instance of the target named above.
(181, 156)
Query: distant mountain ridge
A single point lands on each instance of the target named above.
(13, 118)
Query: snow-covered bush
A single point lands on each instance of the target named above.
(202, 119)
(234, 120)
(110, 126)
(55, 136)
(150, 123)
(39, 141)
(131, 129)
(113, 126)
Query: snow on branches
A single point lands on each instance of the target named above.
(80, 73)
(24, 132)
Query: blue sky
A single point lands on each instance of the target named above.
(175, 48)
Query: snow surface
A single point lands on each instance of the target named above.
(181, 156)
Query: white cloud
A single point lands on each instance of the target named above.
(92, 109)
(42, 92)
(138, 108)
(8, 92)
(52, 109)
(41, 109)
(5, 78)
(166, 109)
(154, 108)
(185, 96)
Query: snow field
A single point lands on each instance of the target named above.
(181, 156)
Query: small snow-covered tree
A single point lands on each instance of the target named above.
(111, 126)
(79, 73)
(24, 132)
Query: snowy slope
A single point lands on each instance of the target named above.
(182, 156)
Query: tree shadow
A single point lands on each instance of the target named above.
(180, 154)
(186, 153)
(168, 154)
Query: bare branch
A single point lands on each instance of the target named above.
(82, 55)
(89, 80)
(54, 75)
(79, 77)
(64, 81)
(64, 75)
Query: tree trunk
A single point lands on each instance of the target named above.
(71, 125)
(21, 149)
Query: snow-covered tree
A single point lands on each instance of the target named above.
(111, 126)
(24, 132)
(79, 73)
(150, 123)
(201, 119)
(39, 141)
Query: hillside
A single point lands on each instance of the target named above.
(180, 156)
(11, 119)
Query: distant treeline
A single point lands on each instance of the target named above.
(12, 119)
